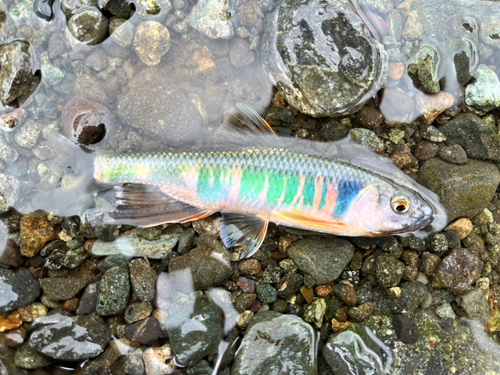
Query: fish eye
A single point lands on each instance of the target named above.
(400, 204)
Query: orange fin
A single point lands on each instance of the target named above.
(302, 219)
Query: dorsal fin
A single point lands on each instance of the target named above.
(244, 127)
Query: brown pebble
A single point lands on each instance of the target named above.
(462, 226)
(338, 326)
(342, 314)
(324, 290)
(10, 321)
(396, 70)
(308, 293)
(250, 267)
(348, 295)
(278, 255)
(283, 243)
(71, 304)
(426, 150)
(16, 337)
(36, 231)
(430, 106)
(369, 118)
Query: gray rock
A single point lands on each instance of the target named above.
(490, 29)
(209, 263)
(423, 69)
(143, 279)
(413, 293)
(133, 246)
(88, 26)
(464, 190)
(156, 105)
(288, 343)
(367, 139)
(240, 54)
(133, 363)
(195, 330)
(27, 134)
(389, 270)
(476, 137)
(406, 329)
(307, 56)
(59, 337)
(18, 291)
(9, 191)
(60, 289)
(88, 302)
(454, 154)
(475, 304)
(483, 93)
(354, 351)
(324, 260)
(114, 290)
(266, 293)
(97, 328)
(208, 17)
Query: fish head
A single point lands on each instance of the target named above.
(384, 209)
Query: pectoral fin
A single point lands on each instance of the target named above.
(147, 206)
(304, 220)
(243, 230)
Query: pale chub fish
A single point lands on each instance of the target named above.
(254, 177)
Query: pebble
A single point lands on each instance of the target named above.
(459, 270)
(143, 279)
(27, 134)
(88, 26)
(32, 311)
(362, 312)
(59, 289)
(19, 290)
(369, 118)
(11, 256)
(151, 42)
(159, 361)
(397, 106)
(445, 311)
(430, 262)
(289, 343)
(133, 363)
(266, 293)
(62, 338)
(476, 138)
(454, 154)
(244, 301)
(413, 29)
(9, 321)
(475, 305)
(462, 227)
(389, 270)
(413, 293)
(464, 190)
(323, 260)
(426, 150)
(114, 289)
(396, 70)
(483, 93)
(431, 106)
(36, 231)
(29, 359)
(144, 332)
(15, 338)
(209, 263)
(272, 275)
(406, 329)
(195, 325)
(244, 318)
(348, 295)
(137, 311)
(314, 312)
(250, 267)
(206, 18)
(289, 285)
(423, 70)
(246, 285)
(367, 139)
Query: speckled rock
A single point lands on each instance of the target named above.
(32, 311)
(367, 139)
(62, 338)
(483, 93)
(464, 190)
(61, 289)
(423, 69)
(323, 260)
(266, 293)
(289, 344)
(297, 50)
(389, 270)
(159, 361)
(474, 135)
(159, 107)
(454, 154)
(475, 304)
(362, 312)
(133, 363)
(195, 330)
(413, 293)
(137, 311)
(29, 359)
(151, 42)
(9, 192)
(209, 263)
(114, 291)
(143, 279)
(27, 134)
(18, 290)
(88, 26)
(211, 18)
(369, 118)
(459, 270)
(36, 231)
(314, 312)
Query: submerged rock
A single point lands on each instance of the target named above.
(88, 26)
(211, 18)
(151, 42)
(318, 69)
(483, 93)
(423, 69)
(276, 344)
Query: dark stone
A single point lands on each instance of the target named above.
(464, 190)
(426, 150)
(390, 270)
(59, 337)
(143, 279)
(18, 291)
(119, 8)
(209, 263)
(369, 118)
(88, 26)
(59, 289)
(413, 294)
(11, 257)
(333, 131)
(88, 302)
(274, 344)
(43, 9)
(423, 69)
(290, 285)
(133, 363)
(196, 325)
(97, 328)
(29, 359)
(114, 290)
(362, 312)
(144, 332)
(323, 260)
(454, 154)
(298, 42)
(244, 301)
(406, 329)
(477, 138)
(113, 261)
(266, 293)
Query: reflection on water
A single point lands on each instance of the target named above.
(150, 75)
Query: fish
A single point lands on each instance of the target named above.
(253, 177)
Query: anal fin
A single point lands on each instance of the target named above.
(243, 230)
(146, 206)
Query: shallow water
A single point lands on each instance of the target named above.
(202, 309)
